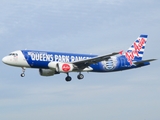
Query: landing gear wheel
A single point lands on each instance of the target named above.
(22, 75)
(80, 76)
(68, 78)
(23, 71)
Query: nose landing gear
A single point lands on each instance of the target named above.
(23, 72)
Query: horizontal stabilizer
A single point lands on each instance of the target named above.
(143, 61)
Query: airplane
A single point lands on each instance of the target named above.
(52, 63)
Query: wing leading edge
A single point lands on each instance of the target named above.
(85, 63)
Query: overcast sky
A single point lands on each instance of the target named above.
(84, 26)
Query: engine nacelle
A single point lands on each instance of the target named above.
(47, 72)
(62, 67)
(65, 67)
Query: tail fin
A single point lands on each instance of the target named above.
(135, 52)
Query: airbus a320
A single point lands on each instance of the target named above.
(52, 63)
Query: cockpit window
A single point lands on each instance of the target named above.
(13, 54)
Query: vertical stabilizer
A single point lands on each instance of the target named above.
(135, 52)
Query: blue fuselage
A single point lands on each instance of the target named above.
(41, 59)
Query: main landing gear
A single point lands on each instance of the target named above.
(79, 76)
(68, 78)
(23, 72)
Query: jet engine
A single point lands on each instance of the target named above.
(62, 67)
(65, 67)
(47, 72)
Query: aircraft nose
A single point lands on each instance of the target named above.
(4, 60)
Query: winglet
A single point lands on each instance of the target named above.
(114, 53)
(121, 52)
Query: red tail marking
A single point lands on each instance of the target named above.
(130, 57)
(137, 47)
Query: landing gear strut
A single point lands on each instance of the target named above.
(68, 78)
(23, 72)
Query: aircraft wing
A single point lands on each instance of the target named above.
(86, 62)
(143, 61)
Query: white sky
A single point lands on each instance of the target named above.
(86, 26)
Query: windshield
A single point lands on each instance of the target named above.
(13, 54)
